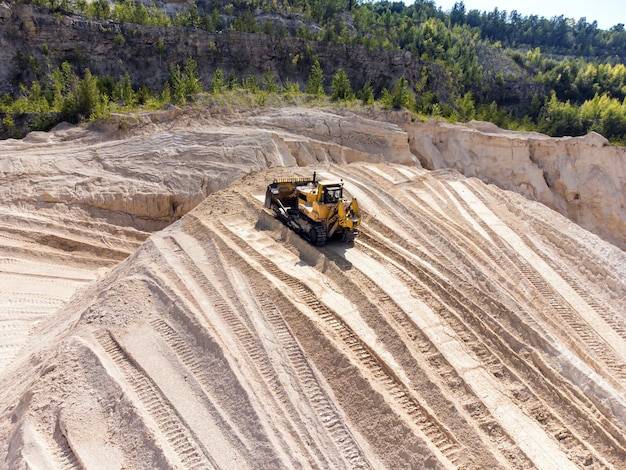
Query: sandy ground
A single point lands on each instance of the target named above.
(467, 327)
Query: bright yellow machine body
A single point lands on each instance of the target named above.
(315, 209)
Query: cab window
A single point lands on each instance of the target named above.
(332, 194)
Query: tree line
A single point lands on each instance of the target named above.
(66, 95)
(582, 89)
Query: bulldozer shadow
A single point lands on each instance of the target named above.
(333, 252)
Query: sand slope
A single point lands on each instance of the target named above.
(466, 328)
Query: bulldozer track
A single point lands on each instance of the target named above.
(426, 241)
(199, 370)
(396, 207)
(611, 317)
(326, 411)
(518, 266)
(434, 431)
(212, 371)
(550, 393)
(170, 424)
(558, 239)
(559, 306)
(248, 341)
(451, 384)
(549, 300)
(455, 312)
(62, 454)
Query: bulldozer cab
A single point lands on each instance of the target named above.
(332, 193)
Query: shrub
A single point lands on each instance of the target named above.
(342, 90)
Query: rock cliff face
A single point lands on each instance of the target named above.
(583, 178)
(146, 53)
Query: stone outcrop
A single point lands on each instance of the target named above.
(583, 178)
(146, 53)
(339, 139)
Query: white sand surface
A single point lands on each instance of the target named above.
(154, 315)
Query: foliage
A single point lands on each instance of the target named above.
(574, 71)
(341, 88)
(186, 83)
(217, 81)
(315, 82)
(366, 94)
(399, 97)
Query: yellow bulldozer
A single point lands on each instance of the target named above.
(316, 210)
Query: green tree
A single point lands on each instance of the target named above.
(341, 88)
(560, 118)
(315, 82)
(269, 82)
(401, 96)
(366, 95)
(88, 96)
(466, 107)
(217, 81)
(251, 83)
(125, 91)
(176, 83)
(192, 85)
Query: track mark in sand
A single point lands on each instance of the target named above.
(64, 457)
(53, 450)
(211, 302)
(527, 434)
(412, 410)
(449, 383)
(588, 424)
(242, 439)
(172, 428)
(563, 299)
(612, 317)
(561, 243)
(324, 407)
(484, 329)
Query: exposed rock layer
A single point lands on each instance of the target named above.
(583, 178)
(146, 53)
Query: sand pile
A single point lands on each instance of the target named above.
(466, 327)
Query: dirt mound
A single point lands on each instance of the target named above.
(466, 327)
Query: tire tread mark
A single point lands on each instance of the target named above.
(247, 340)
(558, 305)
(428, 423)
(450, 379)
(325, 409)
(459, 309)
(62, 453)
(172, 426)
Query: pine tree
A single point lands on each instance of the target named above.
(192, 85)
(217, 81)
(342, 90)
(400, 95)
(88, 97)
(176, 83)
(366, 95)
(315, 82)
